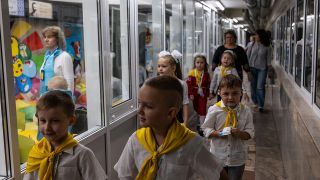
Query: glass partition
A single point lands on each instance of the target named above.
(173, 25)
(299, 41)
(287, 41)
(70, 62)
(119, 51)
(317, 69)
(199, 28)
(150, 37)
(308, 48)
(188, 45)
(5, 169)
(292, 39)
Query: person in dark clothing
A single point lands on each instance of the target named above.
(241, 60)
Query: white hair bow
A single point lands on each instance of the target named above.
(199, 54)
(177, 56)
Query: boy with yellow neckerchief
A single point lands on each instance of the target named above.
(164, 148)
(58, 155)
(228, 124)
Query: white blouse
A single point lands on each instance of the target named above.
(189, 162)
(63, 66)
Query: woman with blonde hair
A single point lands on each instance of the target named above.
(57, 62)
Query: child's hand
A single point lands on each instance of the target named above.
(192, 97)
(235, 132)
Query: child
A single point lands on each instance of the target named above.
(57, 82)
(228, 124)
(198, 86)
(168, 64)
(163, 148)
(58, 155)
(226, 67)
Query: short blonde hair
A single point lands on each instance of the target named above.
(58, 34)
(57, 82)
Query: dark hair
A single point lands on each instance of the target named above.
(232, 32)
(176, 63)
(205, 61)
(167, 83)
(55, 99)
(230, 81)
(264, 37)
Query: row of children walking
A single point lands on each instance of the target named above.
(164, 148)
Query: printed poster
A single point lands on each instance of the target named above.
(40, 9)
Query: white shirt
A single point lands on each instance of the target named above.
(185, 92)
(75, 163)
(190, 161)
(216, 78)
(231, 150)
(63, 66)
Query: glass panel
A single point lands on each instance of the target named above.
(292, 40)
(287, 40)
(150, 37)
(56, 38)
(173, 25)
(317, 69)
(198, 35)
(299, 42)
(307, 65)
(4, 168)
(188, 28)
(119, 47)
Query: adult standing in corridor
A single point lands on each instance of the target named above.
(241, 60)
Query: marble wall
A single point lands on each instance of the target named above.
(298, 129)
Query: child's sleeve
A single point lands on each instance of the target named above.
(206, 165)
(190, 85)
(249, 127)
(209, 122)
(125, 166)
(90, 167)
(214, 81)
(31, 176)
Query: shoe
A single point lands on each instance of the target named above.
(261, 109)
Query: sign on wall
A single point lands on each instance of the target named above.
(40, 9)
(16, 7)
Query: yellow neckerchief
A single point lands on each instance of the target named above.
(198, 75)
(224, 70)
(177, 136)
(231, 115)
(42, 156)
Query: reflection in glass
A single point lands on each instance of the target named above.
(150, 37)
(307, 65)
(299, 42)
(119, 48)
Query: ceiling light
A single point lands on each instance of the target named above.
(220, 6)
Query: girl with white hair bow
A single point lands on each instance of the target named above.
(169, 64)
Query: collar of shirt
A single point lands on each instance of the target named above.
(237, 108)
(69, 151)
